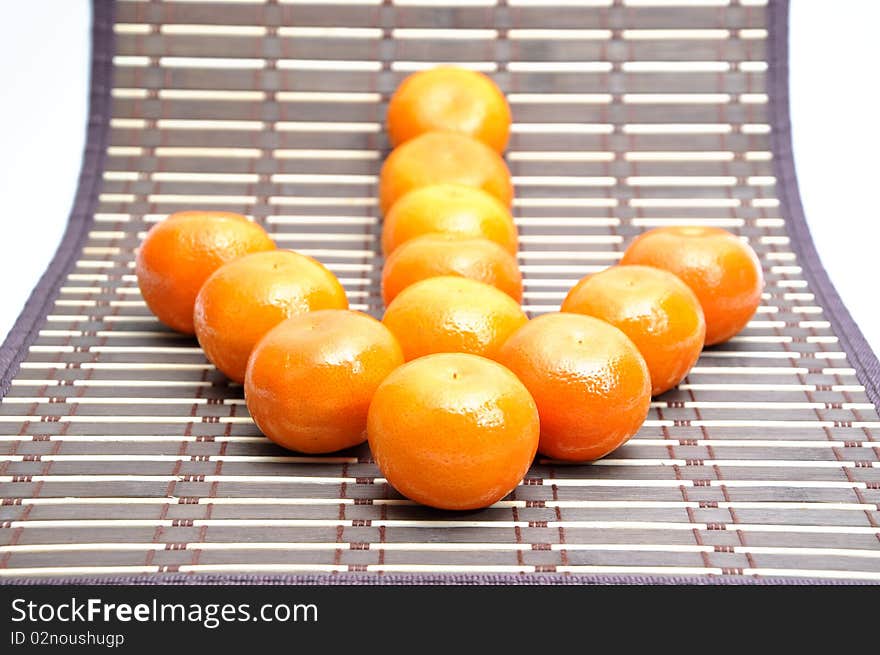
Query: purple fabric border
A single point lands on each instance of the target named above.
(360, 579)
(857, 349)
(24, 331)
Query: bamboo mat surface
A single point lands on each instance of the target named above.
(123, 452)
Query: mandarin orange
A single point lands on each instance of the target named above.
(452, 314)
(654, 308)
(588, 379)
(438, 157)
(311, 378)
(453, 431)
(244, 299)
(432, 255)
(449, 99)
(180, 253)
(451, 209)
(723, 271)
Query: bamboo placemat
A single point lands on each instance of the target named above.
(125, 456)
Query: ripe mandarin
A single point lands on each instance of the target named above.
(433, 255)
(723, 271)
(453, 431)
(655, 309)
(247, 297)
(437, 157)
(451, 209)
(311, 378)
(450, 314)
(449, 99)
(178, 255)
(589, 381)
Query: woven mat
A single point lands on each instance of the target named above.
(124, 455)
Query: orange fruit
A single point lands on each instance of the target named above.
(452, 100)
(249, 296)
(178, 255)
(589, 381)
(448, 209)
(433, 255)
(655, 309)
(722, 271)
(450, 314)
(311, 378)
(453, 431)
(436, 157)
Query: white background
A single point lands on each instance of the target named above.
(834, 51)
